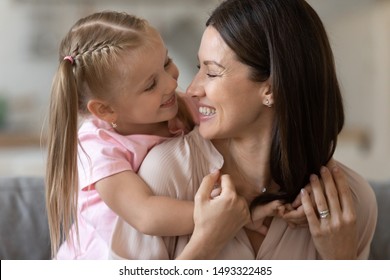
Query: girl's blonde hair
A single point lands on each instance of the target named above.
(93, 46)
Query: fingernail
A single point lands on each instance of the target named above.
(303, 191)
(323, 169)
(214, 170)
(313, 178)
(335, 169)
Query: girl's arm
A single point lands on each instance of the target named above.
(131, 199)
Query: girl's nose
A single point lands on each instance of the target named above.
(171, 83)
(173, 71)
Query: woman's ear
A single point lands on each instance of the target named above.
(101, 110)
(267, 95)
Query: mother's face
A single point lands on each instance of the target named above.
(229, 103)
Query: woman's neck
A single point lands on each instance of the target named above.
(247, 162)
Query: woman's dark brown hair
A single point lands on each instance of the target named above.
(286, 42)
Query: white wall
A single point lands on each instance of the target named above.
(358, 29)
(31, 31)
(360, 37)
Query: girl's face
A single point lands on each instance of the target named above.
(229, 103)
(146, 93)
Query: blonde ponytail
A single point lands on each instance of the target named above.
(61, 169)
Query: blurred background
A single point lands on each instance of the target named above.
(30, 30)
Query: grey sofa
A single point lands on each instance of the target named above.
(24, 230)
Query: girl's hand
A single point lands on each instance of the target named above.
(333, 225)
(259, 213)
(294, 217)
(222, 216)
(217, 219)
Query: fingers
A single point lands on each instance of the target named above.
(295, 214)
(219, 218)
(334, 235)
(344, 193)
(330, 191)
(281, 210)
(216, 192)
(266, 210)
(296, 218)
(318, 193)
(230, 199)
(227, 184)
(310, 213)
(260, 212)
(297, 202)
(207, 186)
(337, 189)
(331, 164)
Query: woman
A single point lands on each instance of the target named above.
(270, 110)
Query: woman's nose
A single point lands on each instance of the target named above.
(195, 89)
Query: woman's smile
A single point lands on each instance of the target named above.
(206, 111)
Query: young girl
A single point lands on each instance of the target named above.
(116, 76)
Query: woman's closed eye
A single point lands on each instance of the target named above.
(210, 74)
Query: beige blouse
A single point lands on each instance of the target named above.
(176, 168)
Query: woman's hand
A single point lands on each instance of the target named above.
(332, 219)
(217, 219)
(294, 214)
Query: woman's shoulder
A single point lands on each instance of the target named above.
(366, 209)
(179, 163)
(362, 191)
(182, 149)
(165, 169)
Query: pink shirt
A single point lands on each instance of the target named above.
(102, 153)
